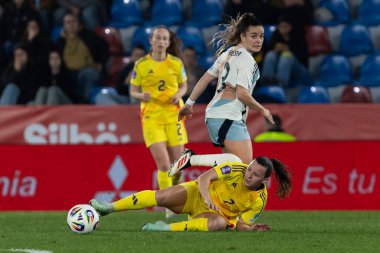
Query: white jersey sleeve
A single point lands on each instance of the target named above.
(214, 69)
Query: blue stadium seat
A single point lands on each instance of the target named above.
(270, 94)
(207, 12)
(335, 70)
(192, 36)
(268, 31)
(339, 9)
(167, 12)
(206, 61)
(125, 13)
(355, 40)
(56, 33)
(369, 12)
(141, 37)
(313, 95)
(370, 71)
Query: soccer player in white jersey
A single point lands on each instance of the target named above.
(226, 114)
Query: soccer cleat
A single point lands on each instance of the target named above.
(181, 163)
(158, 226)
(103, 208)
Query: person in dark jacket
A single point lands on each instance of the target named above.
(12, 26)
(85, 53)
(287, 58)
(59, 88)
(20, 80)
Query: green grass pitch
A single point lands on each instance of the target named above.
(292, 232)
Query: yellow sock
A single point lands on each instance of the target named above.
(136, 201)
(198, 224)
(164, 181)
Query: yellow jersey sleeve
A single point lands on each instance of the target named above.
(230, 169)
(251, 215)
(136, 76)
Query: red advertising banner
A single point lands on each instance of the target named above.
(94, 125)
(326, 175)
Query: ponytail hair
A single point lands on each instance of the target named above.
(282, 174)
(175, 43)
(230, 35)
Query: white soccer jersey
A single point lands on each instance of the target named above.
(235, 67)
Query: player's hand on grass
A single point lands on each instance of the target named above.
(186, 111)
(261, 227)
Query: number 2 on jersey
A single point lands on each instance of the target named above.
(161, 85)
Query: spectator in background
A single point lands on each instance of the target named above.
(287, 59)
(194, 72)
(120, 95)
(45, 8)
(59, 88)
(274, 132)
(37, 44)
(84, 52)
(12, 27)
(19, 82)
(88, 10)
(267, 11)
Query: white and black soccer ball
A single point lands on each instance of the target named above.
(82, 219)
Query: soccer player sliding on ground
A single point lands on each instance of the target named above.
(229, 195)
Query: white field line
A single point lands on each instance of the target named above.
(27, 250)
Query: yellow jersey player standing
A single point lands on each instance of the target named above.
(230, 195)
(159, 82)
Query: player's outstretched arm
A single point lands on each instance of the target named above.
(199, 88)
(244, 96)
(204, 181)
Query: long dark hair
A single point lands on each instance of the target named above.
(282, 174)
(230, 35)
(175, 43)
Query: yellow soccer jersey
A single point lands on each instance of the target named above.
(233, 197)
(161, 80)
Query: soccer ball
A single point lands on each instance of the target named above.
(82, 219)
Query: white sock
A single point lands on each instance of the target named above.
(213, 160)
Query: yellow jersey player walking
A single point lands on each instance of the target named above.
(159, 82)
(230, 195)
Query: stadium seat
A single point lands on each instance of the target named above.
(270, 94)
(125, 13)
(339, 10)
(355, 40)
(313, 95)
(334, 70)
(112, 36)
(369, 12)
(268, 31)
(56, 33)
(370, 71)
(167, 12)
(192, 36)
(356, 94)
(206, 61)
(207, 12)
(141, 37)
(318, 40)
